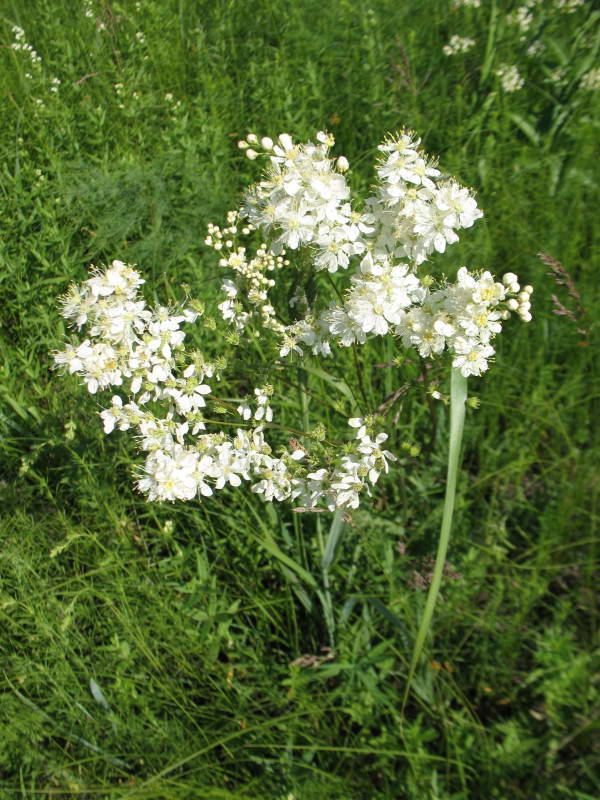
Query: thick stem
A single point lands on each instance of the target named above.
(458, 397)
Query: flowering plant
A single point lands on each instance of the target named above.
(308, 224)
(302, 206)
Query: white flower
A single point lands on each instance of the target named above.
(111, 416)
(359, 423)
(458, 44)
(591, 80)
(458, 204)
(472, 357)
(298, 228)
(275, 482)
(226, 468)
(510, 79)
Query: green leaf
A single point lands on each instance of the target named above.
(333, 539)
(490, 45)
(525, 127)
(340, 385)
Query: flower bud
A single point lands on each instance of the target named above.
(509, 278)
(252, 138)
(342, 164)
(267, 143)
(251, 154)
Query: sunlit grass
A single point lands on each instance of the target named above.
(183, 616)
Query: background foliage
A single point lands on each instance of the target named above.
(148, 650)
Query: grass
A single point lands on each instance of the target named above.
(148, 650)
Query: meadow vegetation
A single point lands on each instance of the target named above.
(156, 651)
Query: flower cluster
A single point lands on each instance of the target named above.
(128, 344)
(464, 317)
(304, 199)
(510, 80)
(418, 210)
(458, 44)
(253, 277)
(591, 80)
(569, 6)
(522, 17)
(20, 45)
(141, 351)
(301, 207)
(414, 213)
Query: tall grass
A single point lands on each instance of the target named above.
(164, 651)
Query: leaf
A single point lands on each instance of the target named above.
(335, 536)
(525, 127)
(98, 695)
(341, 385)
(271, 547)
(390, 617)
(489, 47)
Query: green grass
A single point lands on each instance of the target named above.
(187, 618)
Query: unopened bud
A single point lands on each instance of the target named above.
(343, 164)
(251, 154)
(252, 138)
(267, 143)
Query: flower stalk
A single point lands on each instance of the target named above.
(458, 398)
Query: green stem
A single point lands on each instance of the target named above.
(324, 595)
(302, 381)
(328, 554)
(458, 397)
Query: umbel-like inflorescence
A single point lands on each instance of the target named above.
(303, 205)
(304, 214)
(141, 352)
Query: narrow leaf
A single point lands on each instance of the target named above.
(333, 539)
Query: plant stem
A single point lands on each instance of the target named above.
(458, 397)
(324, 595)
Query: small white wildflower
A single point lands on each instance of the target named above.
(458, 44)
(510, 79)
(591, 80)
